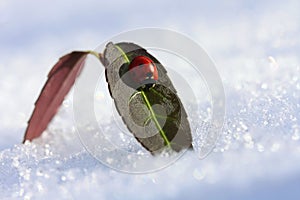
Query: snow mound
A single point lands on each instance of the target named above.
(257, 155)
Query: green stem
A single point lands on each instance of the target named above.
(123, 54)
(161, 131)
(94, 53)
(146, 121)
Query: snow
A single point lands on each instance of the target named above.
(257, 155)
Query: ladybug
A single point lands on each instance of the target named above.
(143, 71)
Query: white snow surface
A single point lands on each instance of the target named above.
(256, 50)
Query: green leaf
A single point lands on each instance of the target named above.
(159, 111)
(154, 115)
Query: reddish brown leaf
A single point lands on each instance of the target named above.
(60, 80)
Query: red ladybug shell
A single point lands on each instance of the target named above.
(142, 70)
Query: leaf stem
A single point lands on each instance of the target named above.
(132, 96)
(162, 133)
(123, 54)
(94, 53)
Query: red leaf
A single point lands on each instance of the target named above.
(60, 80)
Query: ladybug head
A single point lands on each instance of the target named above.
(143, 71)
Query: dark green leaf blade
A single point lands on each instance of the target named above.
(159, 111)
(154, 115)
